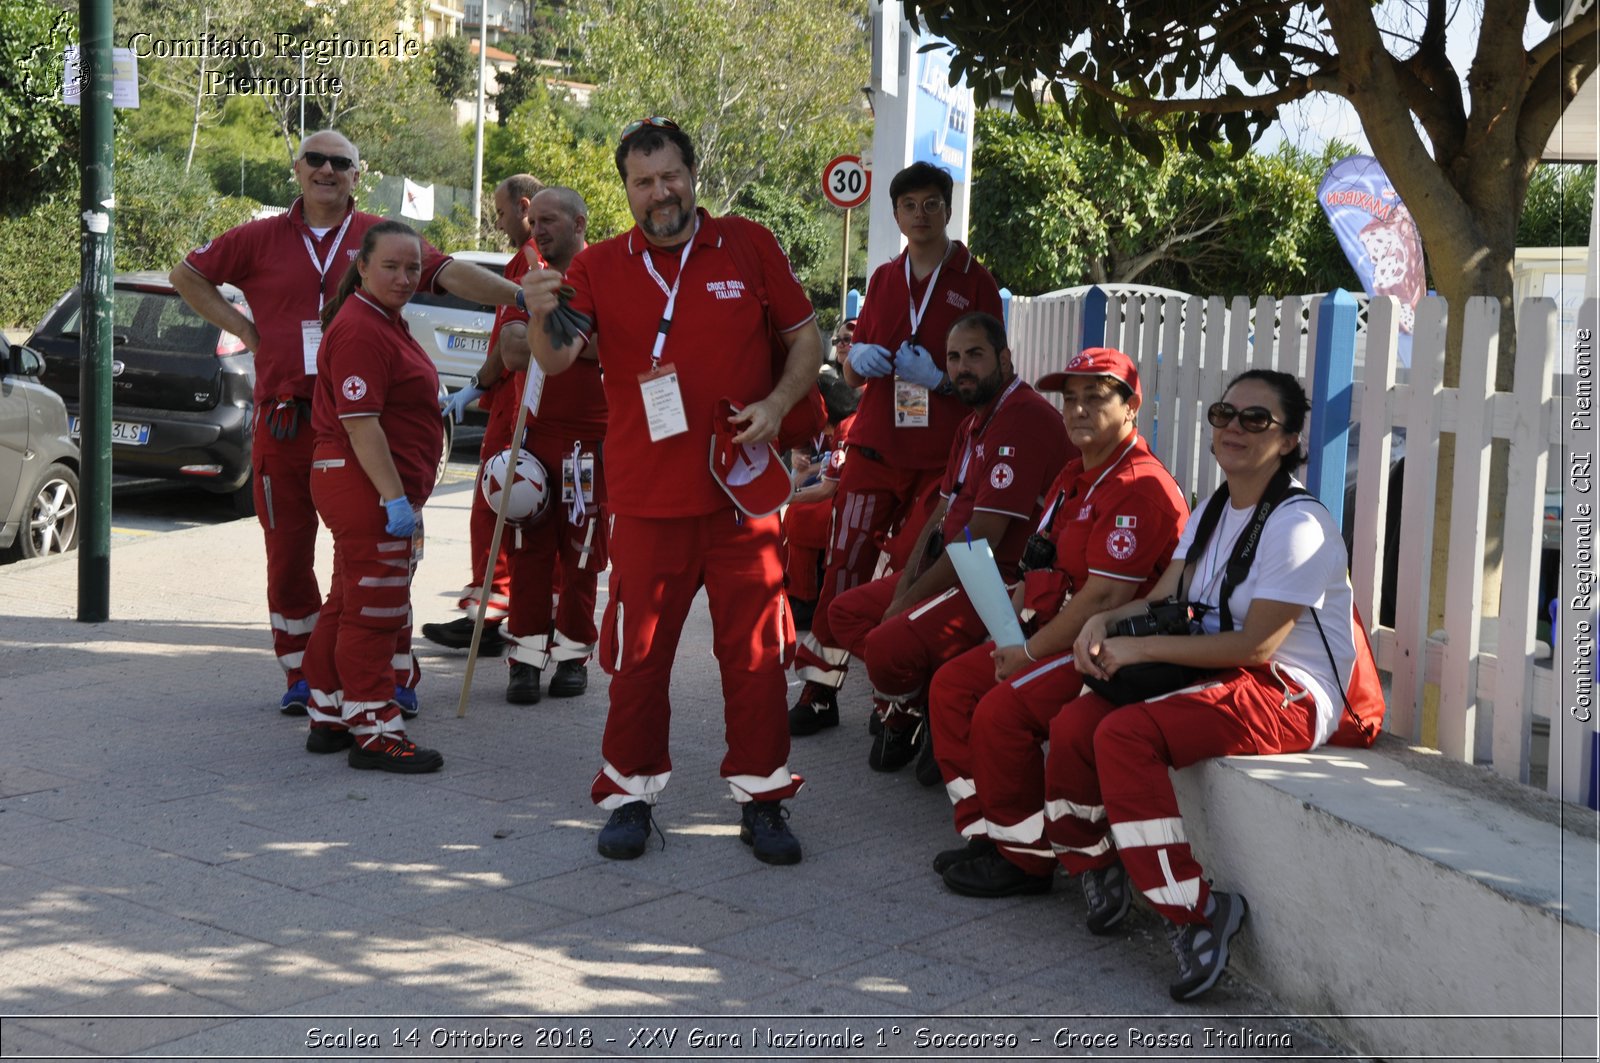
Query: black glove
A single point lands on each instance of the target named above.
(283, 418)
(563, 324)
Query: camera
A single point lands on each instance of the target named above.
(1039, 555)
(1162, 618)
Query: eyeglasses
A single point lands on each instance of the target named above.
(1251, 418)
(316, 160)
(841, 341)
(928, 207)
(655, 121)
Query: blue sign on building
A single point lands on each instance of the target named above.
(944, 115)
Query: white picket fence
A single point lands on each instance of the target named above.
(1490, 689)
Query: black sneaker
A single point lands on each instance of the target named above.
(570, 680)
(763, 828)
(894, 748)
(1201, 949)
(1105, 891)
(816, 708)
(399, 755)
(523, 687)
(627, 832)
(457, 635)
(874, 723)
(927, 769)
(974, 848)
(992, 875)
(328, 740)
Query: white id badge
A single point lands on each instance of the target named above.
(910, 405)
(310, 340)
(663, 403)
(535, 388)
(575, 474)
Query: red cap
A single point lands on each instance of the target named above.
(751, 473)
(1095, 361)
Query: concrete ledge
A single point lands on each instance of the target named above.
(1413, 907)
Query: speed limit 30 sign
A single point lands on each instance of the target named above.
(846, 182)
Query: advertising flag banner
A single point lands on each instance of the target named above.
(1378, 235)
(417, 201)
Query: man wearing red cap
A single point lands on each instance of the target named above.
(686, 340)
(908, 414)
(1004, 456)
(1111, 521)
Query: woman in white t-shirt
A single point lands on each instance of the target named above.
(1276, 679)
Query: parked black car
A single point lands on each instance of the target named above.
(180, 388)
(38, 462)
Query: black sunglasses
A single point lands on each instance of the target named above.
(315, 160)
(841, 341)
(1251, 418)
(654, 121)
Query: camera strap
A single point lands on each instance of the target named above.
(1244, 549)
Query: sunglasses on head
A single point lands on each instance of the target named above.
(1251, 418)
(315, 160)
(655, 121)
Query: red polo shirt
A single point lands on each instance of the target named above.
(369, 365)
(963, 285)
(717, 341)
(573, 404)
(270, 262)
(1001, 461)
(1120, 520)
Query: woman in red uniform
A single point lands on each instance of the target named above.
(378, 441)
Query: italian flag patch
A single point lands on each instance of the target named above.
(1006, 452)
(1127, 522)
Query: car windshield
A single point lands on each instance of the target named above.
(152, 321)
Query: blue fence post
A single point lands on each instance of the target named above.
(1094, 318)
(1005, 306)
(1328, 446)
(852, 305)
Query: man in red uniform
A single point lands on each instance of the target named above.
(1112, 518)
(566, 424)
(908, 416)
(682, 331)
(1004, 456)
(288, 266)
(513, 204)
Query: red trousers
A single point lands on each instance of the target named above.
(288, 519)
(658, 566)
(1106, 780)
(349, 661)
(989, 741)
(805, 546)
(871, 501)
(551, 551)
(903, 652)
(496, 437)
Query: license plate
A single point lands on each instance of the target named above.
(476, 344)
(128, 433)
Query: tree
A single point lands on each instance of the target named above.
(539, 138)
(768, 89)
(1460, 157)
(455, 71)
(1559, 205)
(1051, 210)
(38, 133)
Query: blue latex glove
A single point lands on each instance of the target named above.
(455, 407)
(402, 518)
(870, 360)
(913, 363)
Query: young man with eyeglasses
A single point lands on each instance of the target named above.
(675, 300)
(288, 266)
(907, 419)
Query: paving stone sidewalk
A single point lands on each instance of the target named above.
(179, 878)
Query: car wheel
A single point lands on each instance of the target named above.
(51, 525)
(244, 498)
(444, 455)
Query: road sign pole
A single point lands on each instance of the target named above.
(844, 267)
(96, 269)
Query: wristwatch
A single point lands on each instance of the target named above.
(521, 300)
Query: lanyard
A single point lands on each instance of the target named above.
(966, 459)
(322, 266)
(1049, 519)
(578, 511)
(916, 311)
(671, 293)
